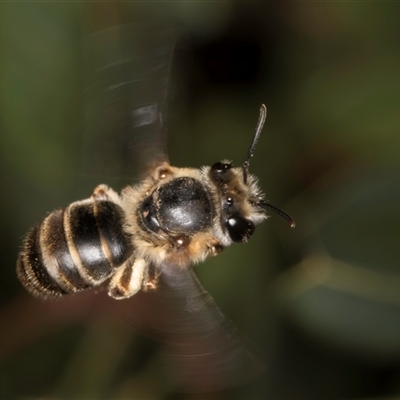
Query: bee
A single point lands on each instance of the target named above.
(174, 218)
(148, 238)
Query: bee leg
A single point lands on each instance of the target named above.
(128, 279)
(105, 193)
(215, 248)
(150, 280)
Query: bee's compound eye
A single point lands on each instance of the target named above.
(240, 229)
(221, 172)
(221, 167)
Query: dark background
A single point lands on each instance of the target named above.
(322, 302)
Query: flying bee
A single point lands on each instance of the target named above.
(175, 218)
(147, 238)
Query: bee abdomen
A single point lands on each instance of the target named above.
(74, 249)
(31, 271)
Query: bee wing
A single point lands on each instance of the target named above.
(129, 71)
(201, 348)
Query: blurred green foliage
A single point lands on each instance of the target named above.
(323, 301)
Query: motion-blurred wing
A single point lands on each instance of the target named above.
(203, 351)
(129, 69)
(127, 119)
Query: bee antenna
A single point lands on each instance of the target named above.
(276, 210)
(259, 126)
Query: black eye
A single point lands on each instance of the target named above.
(240, 229)
(221, 172)
(221, 167)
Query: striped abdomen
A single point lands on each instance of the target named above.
(74, 249)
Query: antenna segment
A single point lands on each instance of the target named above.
(257, 133)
